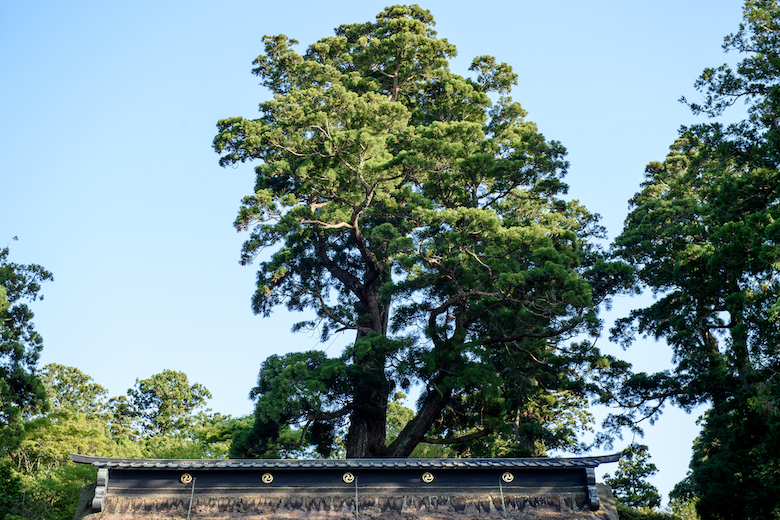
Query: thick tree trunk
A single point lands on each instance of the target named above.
(367, 434)
(367, 431)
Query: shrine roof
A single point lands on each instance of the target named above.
(326, 464)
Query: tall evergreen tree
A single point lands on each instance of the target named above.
(167, 402)
(70, 388)
(629, 484)
(705, 235)
(407, 205)
(21, 391)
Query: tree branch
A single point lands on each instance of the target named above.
(456, 440)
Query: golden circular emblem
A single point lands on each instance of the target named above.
(186, 478)
(507, 477)
(348, 477)
(427, 477)
(267, 478)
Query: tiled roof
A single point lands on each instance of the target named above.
(308, 464)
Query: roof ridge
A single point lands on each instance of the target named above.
(387, 463)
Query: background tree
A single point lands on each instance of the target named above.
(20, 343)
(69, 387)
(683, 500)
(704, 234)
(21, 391)
(630, 485)
(626, 513)
(167, 402)
(408, 206)
(162, 417)
(38, 479)
(123, 418)
(75, 422)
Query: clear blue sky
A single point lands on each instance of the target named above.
(108, 178)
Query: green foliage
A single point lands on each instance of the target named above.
(682, 509)
(704, 235)
(10, 489)
(736, 461)
(70, 388)
(305, 381)
(629, 483)
(215, 434)
(166, 402)
(37, 479)
(52, 494)
(418, 209)
(20, 344)
(47, 441)
(39, 458)
(4, 303)
(398, 416)
(21, 391)
(163, 417)
(629, 513)
(123, 418)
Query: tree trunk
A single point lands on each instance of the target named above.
(416, 429)
(367, 431)
(367, 434)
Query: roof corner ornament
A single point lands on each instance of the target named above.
(100, 490)
(593, 493)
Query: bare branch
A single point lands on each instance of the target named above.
(326, 225)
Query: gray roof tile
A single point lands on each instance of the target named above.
(295, 464)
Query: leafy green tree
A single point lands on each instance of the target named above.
(10, 489)
(53, 494)
(37, 478)
(20, 344)
(682, 508)
(208, 437)
(123, 418)
(407, 205)
(215, 434)
(21, 391)
(628, 513)
(39, 460)
(167, 402)
(161, 417)
(69, 387)
(704, 232)
(630, 484)
(398, 415)
(47, 441)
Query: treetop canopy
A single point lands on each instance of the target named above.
(421, 210)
